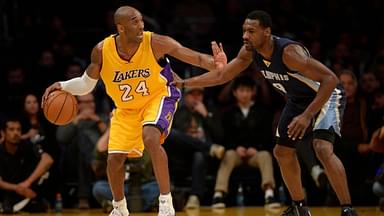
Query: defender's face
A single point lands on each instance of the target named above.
(254, 35)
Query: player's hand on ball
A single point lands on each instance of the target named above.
(219, 55)
(51, 88)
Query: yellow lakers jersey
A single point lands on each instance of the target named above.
(132, 84)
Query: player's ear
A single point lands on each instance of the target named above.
(120, 28)
(267, 31)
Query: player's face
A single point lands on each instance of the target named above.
(31, 105)
(133, 27)
(254, 35)
(13, 132)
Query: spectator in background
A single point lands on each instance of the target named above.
(78, 141)
(14, 89)
(45, 71)
(23, 168)
(192, 141)
(355, 131)
(141, 195)
(34, 124)
(370, 86)
(248, 138)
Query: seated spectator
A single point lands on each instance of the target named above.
(196, 129)
(23, 168)
(140, 187)
(248, 138)
(78, 141)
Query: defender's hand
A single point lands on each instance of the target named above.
(51, 88)
(178, 83)
(219, 55)
(298, 126)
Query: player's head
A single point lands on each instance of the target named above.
(256, 29)
(243, 89)
(129, 23)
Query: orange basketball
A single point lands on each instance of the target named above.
(60, 107)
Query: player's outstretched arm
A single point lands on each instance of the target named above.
(162, 45)
(217, 77)
(80, 85)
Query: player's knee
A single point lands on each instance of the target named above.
(116, 161)
(150, 141)
(322, 149)
(281, 152)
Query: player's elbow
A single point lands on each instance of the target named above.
(330, 80)
(333, 80)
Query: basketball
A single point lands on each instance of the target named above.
(60, 107)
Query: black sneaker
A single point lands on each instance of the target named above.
(218, 202)
(295, 210)
(348, 211)
(271, 202)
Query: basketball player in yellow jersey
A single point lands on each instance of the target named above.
(144, 97)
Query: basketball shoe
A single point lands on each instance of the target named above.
(348, 211)
(295, 210)
(166, 206)
(119, 208)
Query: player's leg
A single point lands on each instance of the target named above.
(290, 170)
(334, 169)
(151, 138)
(326, 129)
(116, 174)
(157, 120)
(124, 140)
(285, 153)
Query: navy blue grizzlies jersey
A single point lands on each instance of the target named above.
(299, 89)
(300, 92)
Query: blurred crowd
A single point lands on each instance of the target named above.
(222, 136)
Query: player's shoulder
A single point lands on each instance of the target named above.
(295, 50)
(159, 38)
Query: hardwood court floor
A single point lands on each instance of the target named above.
(247, 211)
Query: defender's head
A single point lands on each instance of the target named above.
(256, 29)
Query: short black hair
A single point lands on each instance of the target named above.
(9, 118)
(264, 18)
(243, 81)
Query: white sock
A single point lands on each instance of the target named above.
(218, 194)
(167, 196)
(268, 193)
(120, 204)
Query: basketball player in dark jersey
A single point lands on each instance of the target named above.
(315, 104)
